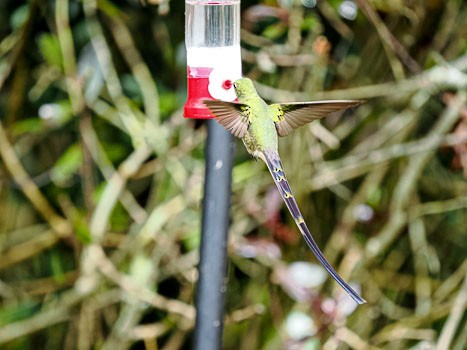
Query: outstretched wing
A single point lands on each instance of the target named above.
(232, 116)
(289, 116)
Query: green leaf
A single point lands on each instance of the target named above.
(374, 197)
(311, 23)
(10, 314)
(110, 9)
(28, 126)
(192, 240)
(81, 227)
(168, 103)
(120, 219)
(57, 268)
(275, 31)
(50, 49)
(67, 165)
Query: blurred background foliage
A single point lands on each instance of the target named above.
(101, 177)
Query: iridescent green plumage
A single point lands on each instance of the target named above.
(259, 125)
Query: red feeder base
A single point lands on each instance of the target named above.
(198, 81)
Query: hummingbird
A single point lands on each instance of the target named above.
(259, 125)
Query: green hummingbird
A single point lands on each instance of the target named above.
(259, 125)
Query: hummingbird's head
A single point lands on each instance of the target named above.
(244, 88)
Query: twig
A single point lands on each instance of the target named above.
(91, 141)
(436, 78)
(405, 327)
(419, 245)
(438, 207)
(48, 285)
(390, 43)
(334, 19)
(125, 112)
(394, 131)
(368, 158)
(35, 323)
(158, 218)
(352, 339)
(29, 188)
(175, 342)
(51, 315)
(134, 289)
(451, 283)
(22, 40)
(449, 20)
(399, 281)
(28, 249)
(148, 331)
(454, 318)
(407, 183)
(281, 60)
(68, 56)
(341, 236)
(113, 189)
(245, 313)
(400, 333)
(138, 67)
(89, 280)
(349, 167)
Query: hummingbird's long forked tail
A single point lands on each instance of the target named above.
(274, 164)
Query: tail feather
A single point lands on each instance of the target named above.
(276, 169)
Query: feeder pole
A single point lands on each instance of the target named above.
(213, 252)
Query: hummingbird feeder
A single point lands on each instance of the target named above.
(212, 38)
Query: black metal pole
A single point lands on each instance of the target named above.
(213, 252)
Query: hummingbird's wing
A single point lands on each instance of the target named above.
(289, 116)
(232, 116)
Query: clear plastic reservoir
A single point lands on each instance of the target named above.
(212, 38)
